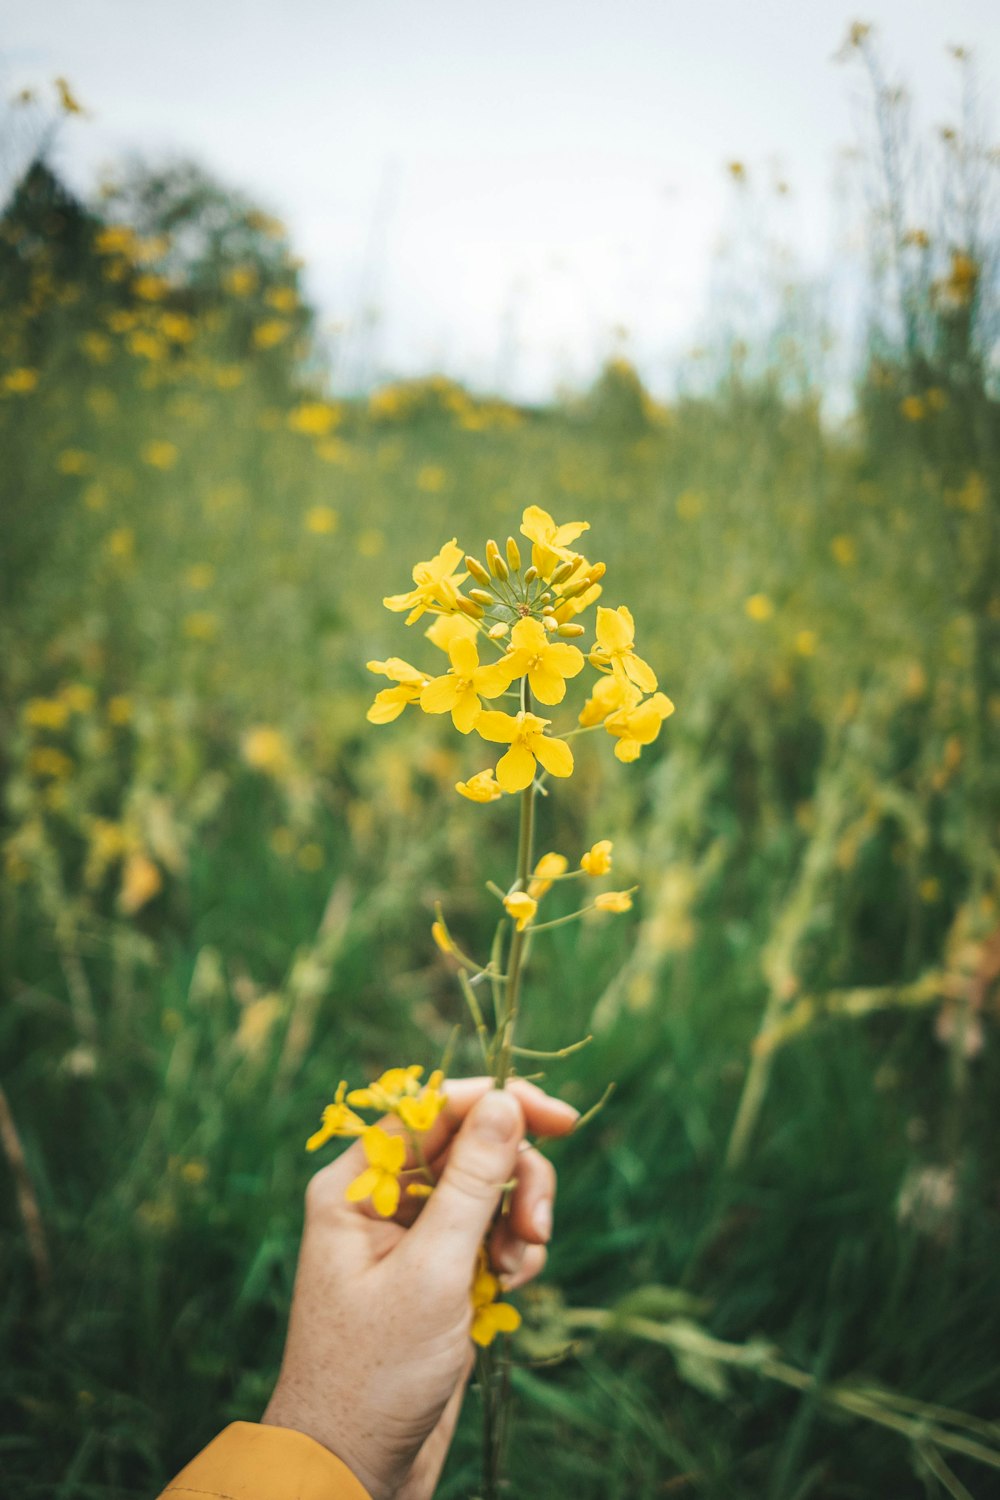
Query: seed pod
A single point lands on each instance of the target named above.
(531, 574)
(468, 608)
(499, 630)
(513, 555)
(570, 629)
(477, 570)
(482, 597)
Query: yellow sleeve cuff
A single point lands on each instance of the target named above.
(252, 1462)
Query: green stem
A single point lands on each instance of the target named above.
(517, 942)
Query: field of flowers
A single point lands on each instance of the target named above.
(774, 1270)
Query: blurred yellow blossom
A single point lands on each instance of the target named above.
(432, 478)
(314, 418)
(844, 550)
(520, 906)
(46, 713)
(74, 461)
(548, 868)
(141, 881)
(160, 454)
(266, 749)
(201, 625)
(240, 281)
(119, 709)
(310, 858)
(121, 543)
(806, 642)
(200, 576)
(614, 901)
(759, 607)
(597, 860)
(490, 1317)
(913, 408)
(271, 333)
(20, 382)
(321, 520)
(482, 787)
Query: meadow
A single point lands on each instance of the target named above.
(774, 1269)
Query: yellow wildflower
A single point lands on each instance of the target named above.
(457, 692)
(160, 455)
(141, 881)
(47, 761)
(201, 625)
(844, 550)
(321, 520)
(20, 382)
(616, 901)
(615, 640)
(447, 628)
(528, 742)
(119, 709)
(759, 607)
(390, 702)
(46, 713)
(151, 288)
(420, 1113)
(436, 585)
(609, 693)
(73, 461)
(545, 663)
(380, 1180)
(547, 869)
(386, 1092)
(266, 749)
(240, 281)
(483, 787)
(490, 1317)
(638, 726)
(314, 418)
(521, 907)
(597, 860)
(913, 408)
(338, 1119)
(806, 642)
(200, 576)
(78, 696)
(550, 542)
(121, 542)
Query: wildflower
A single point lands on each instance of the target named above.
(528, 743)
(432, 479)
(78, 697)
(266, 749)
(47, 761)
(638, 726)
(240, 281)
(615, 640)
(46, 713)
(73, 461)
(141, 881)
(386, 1092)
(267, 335)
(338, 1119)
(597, 860)
(200, 576)
(521, 907)
(151, 288)
(281, 298)
(119, 709)
(806, 642)
(548, 868)
(160, 455)
(490, 1317)
(314, 418)
(545, 663)
(442, 937)
(380, 1179)
(759, 607)
(436, 585)
(201, 625)
(321, 520)
(420, 1113)
(20, 382)
(609, 693)
(550, 542)
(447, 628)
(457, 692)
(844, 550)
(616, 901)
(483, 787)
(310, 858)
(390, 702)
(913, 409)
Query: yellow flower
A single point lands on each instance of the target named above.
(386, 1092)
(615, 639)
(913, 408)
(436, 585)
(609, 693)
(47, 761)
(521, 907)
(390, 702)
(151, 288)
(240, 281)
(597, 860)
(46, 713)
(419, 1114)
(550, 543)
(73, 461)
(78, 696)
(200, 576)
(20, 382)
(546, 870)
(528, 743)
(447, 628)
(160, 455)
(759, 607)
(321, 520)
(266, 749)
(490, 1317)
(442, 937)
(141, 881)
(844, 550)
(267, 335)
(380, 1180)
(119, 709)
(806, 642)
(617, 901)
(545, 663)
(314, 418)
(483, 787)
(638, 726)
(457, 692)
(201, 625)
(338, 1119)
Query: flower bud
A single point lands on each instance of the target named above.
(497, 565)
(513, 555)
(468, 608)
(482, 597)
(597, 571)
(571, 629)
(477, 570)
(499, 630)
(564, 570)
(531, 574)
(550, 622)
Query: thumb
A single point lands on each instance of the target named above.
(482, 1158)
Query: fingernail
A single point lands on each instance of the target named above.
(496, 1117)
(541, 1219)
(511, 1256)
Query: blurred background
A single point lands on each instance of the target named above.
(286, 301)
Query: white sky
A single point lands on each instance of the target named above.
(508, 181)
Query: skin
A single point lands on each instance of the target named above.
(378, 1352)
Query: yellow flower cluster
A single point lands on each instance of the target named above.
(527, 615)
(399, 1093)
(522, 905)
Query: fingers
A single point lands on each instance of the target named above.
(529, 1217)
(482, 1158)
(532, 1263)
(543, 1115)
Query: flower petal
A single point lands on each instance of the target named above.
(546, 684)
(466, 711)
(555, 756)
(363, 1186)
(440, 696)
(516, 769)
(497, 726)
(385, 1197)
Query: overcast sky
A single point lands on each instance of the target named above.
(506, 182)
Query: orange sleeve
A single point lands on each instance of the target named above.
(251, 1462)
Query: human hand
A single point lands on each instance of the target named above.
(378, 1350)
